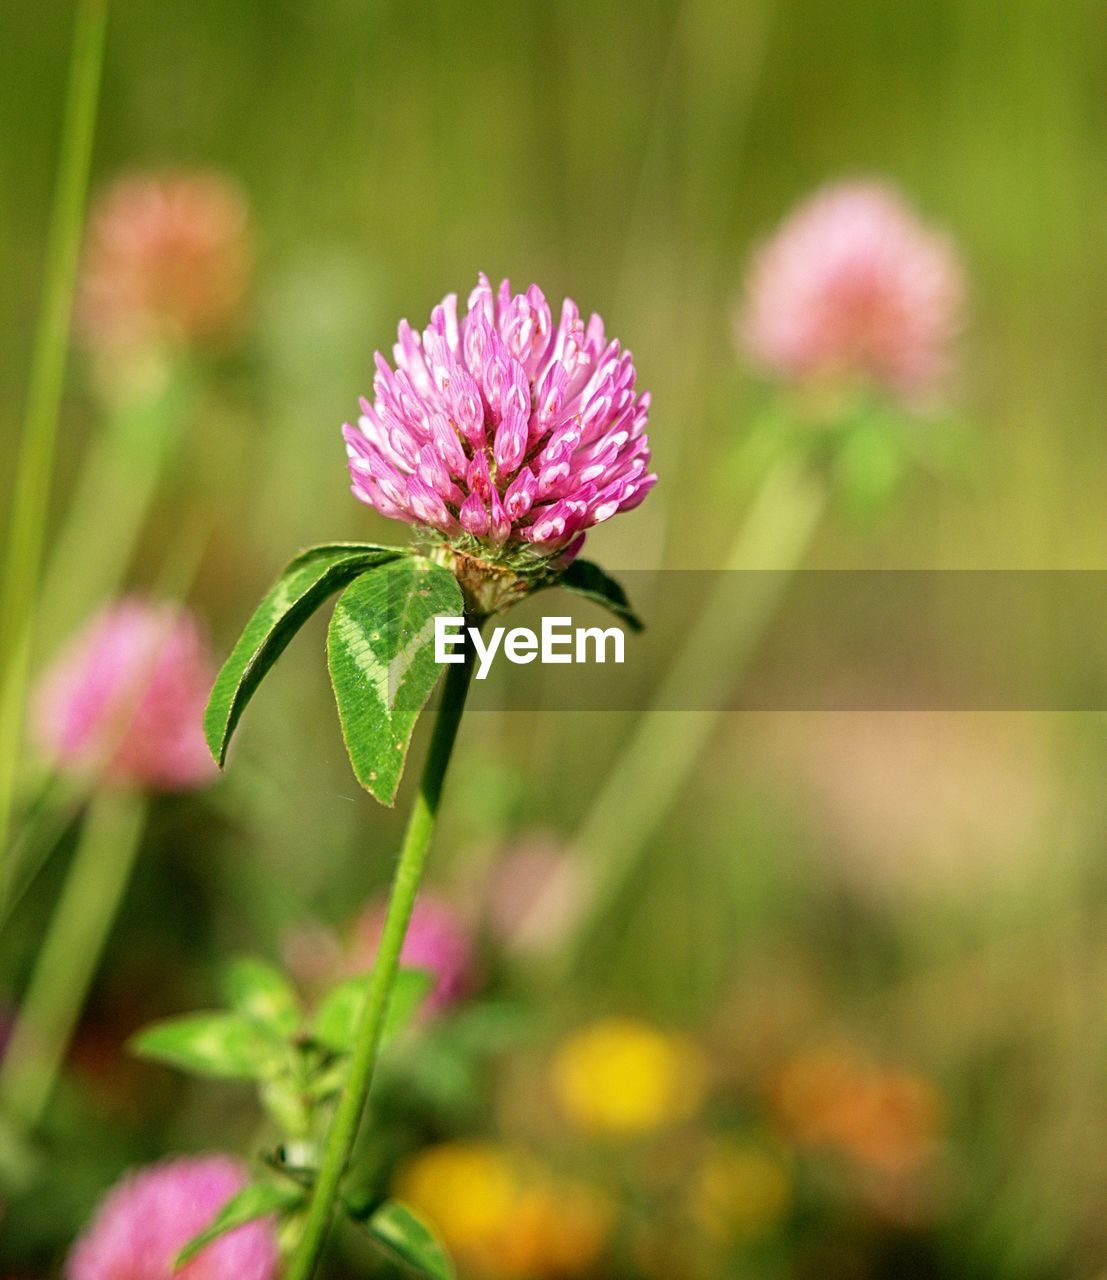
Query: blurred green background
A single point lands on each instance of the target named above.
(927, 887)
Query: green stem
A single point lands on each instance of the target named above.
(90, 557)
(654, 767)
(31, 493)
(38, 836)
(70, 953)
(405, 886)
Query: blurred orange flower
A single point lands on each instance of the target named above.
(886, 1118)
(166, 262)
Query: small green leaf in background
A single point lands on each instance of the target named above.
(305, 583)
(261, 992)
(339, 1015)
(490, 1026)
(380, 649)
(406, 1240)
(258, 1200)
(586, 579)
(226, 1045)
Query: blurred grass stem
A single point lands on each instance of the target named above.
(120, 474)
(35, 465)
(653, 768)
(405, 886)
(54, 809)
(70, 953)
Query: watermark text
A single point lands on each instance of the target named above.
(558, 642)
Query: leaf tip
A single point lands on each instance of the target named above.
(380, 792)
(215, 734)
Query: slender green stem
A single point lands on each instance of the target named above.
(90, 557)
(405, 886)
(57, 807)
(30, 497)
(70, 953)
(653, 768)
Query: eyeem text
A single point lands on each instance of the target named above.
(557, 642)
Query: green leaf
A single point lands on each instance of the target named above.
(339, 1015)
(405, 1239)
(489, 1026)
(305, 583)
(380, 649)
(261, 992)
(586, 579)
(224, 1045)
(258, 1200)
(411, 989)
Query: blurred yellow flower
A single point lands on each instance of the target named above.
(623, 1076)
(467, 1190)
(740, 1191)
(502, 1215)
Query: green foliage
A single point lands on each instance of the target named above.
(257, 1200)
(405, 1239)
(339, 1015)
(586, 579)
(305, 584)
(380, 649)
(442, 1072)
(266, 1037)
(225, 1045)
(262, 993)
(298, 1064)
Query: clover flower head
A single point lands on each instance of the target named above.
(436, 941)
(855, 286)
(505, 433)
(166, 262)
(125, 701)
(148, 1217)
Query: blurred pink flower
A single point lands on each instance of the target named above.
(166, 261)
(502, 427)
(534, 896)
(145, 1220)
(436, 941)
(126, 699)
(855, 285)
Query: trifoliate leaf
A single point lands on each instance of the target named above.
(380, 649)
(406, 1240)
(225, 1045)
(261, 992)
(307, 581)
(586, 579)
